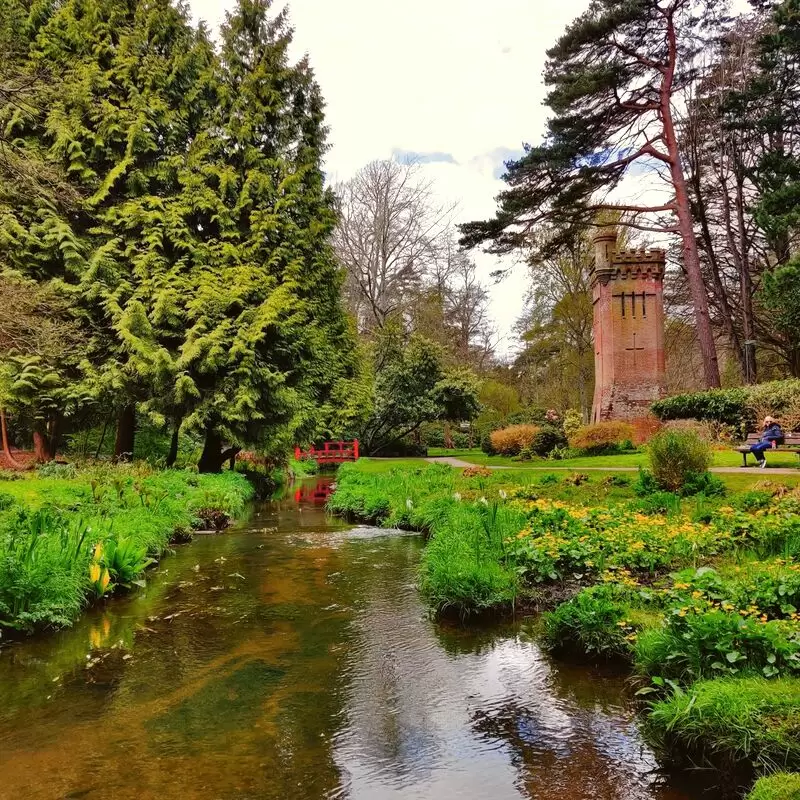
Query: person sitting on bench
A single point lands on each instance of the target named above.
(771, 437)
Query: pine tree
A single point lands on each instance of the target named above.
(614, 78)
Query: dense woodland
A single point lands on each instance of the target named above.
(175, 270)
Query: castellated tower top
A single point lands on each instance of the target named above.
(613, 263)
(628, 298)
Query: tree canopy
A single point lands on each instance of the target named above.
(193, 243)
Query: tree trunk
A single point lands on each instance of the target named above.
(4, 436)
(230, 456)
(126, 433)
(102, 436)
(448, 436)
(172, 455)
(683, 210)
(211, 458)
(42, 444)
(748, 319)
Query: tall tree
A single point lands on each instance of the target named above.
(768, 110)
(268, 354)
(390, 236)
(615, 76)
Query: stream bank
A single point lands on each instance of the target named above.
(292, 657)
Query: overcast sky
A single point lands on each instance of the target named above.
(458, 83)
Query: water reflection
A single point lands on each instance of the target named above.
(292, 658)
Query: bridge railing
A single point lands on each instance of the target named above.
(330, 452)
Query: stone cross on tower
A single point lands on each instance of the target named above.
(628, 297)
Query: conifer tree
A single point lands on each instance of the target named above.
(245, 330)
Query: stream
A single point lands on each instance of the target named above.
(291, 657)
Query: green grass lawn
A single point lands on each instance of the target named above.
(722, 458)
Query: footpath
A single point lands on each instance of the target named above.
(458, 462)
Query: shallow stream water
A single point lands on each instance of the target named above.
(291, 657)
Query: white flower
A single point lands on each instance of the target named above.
(409, 503)
(503, 494)
(457, 496)
(484, 501)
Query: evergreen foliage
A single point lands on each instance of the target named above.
(413, 387)
(194, 247)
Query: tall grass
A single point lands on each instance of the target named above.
(728, 721)
(64, 540)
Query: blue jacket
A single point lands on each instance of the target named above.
(772, 434)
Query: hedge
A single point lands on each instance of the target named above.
(739, 408)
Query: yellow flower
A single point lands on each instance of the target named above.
(98, 551)
(105, 579)
(94, 572)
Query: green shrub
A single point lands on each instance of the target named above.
(703, 483)
(728, 406)
(598, 622)
(603, 438)
(740, 408)
(729, 721)
(780, 786)
(677, 456)
(696, 644)
(546, 440)
(646, 483)
(6, 501)
(486, 445)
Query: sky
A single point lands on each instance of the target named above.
(455, 83)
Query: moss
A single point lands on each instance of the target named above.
(730, 721)
(781, 786)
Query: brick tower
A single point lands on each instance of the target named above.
(628, 297)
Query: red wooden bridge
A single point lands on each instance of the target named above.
(330, 452)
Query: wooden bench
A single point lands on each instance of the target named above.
(791, 442)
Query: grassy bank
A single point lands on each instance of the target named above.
(69, 537)
(730, 722)
(498, 536)
(699, 595)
